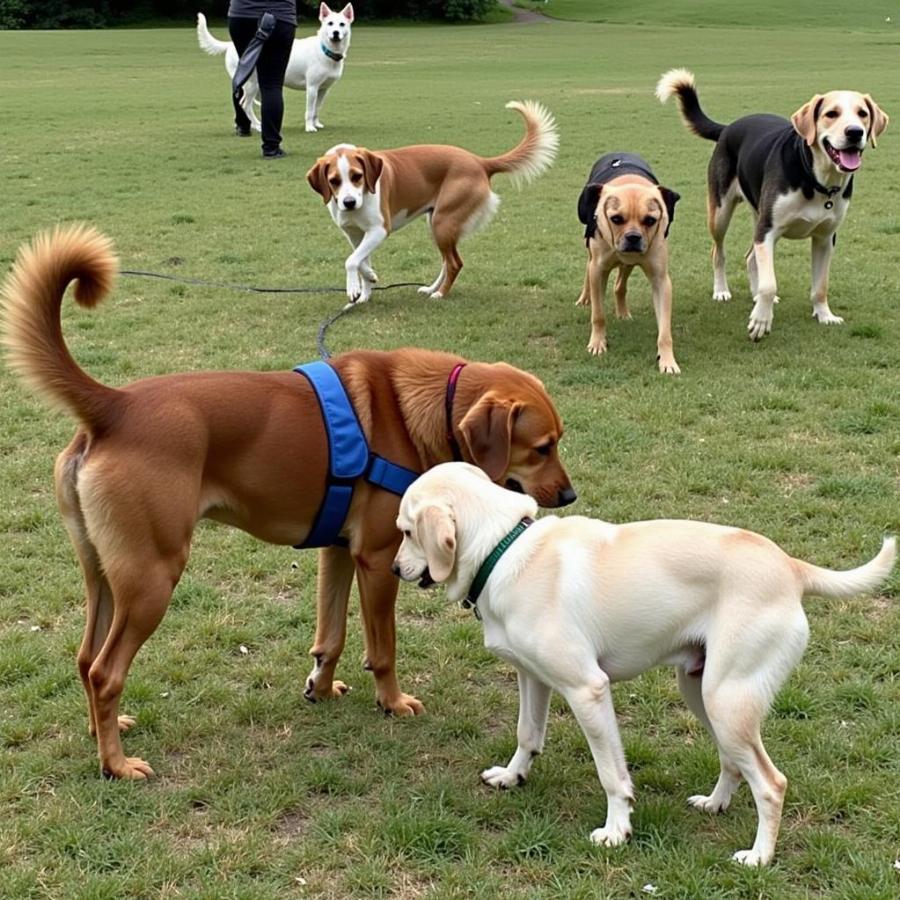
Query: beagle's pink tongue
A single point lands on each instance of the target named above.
(850, 159)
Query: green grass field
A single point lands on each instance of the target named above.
(260, 795)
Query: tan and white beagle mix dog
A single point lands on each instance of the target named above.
(372, 193)
(797, 175)
(576, 604)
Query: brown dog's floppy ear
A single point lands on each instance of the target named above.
(318, 179)
(587, 208)
(487, 431)
(670, 198)
(804, 120)
(880, 119)
(371, 166)
(436, 532)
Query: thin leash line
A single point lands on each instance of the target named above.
(324, 352)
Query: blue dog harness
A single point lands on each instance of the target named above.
(349, 458)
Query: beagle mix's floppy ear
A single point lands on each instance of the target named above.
(670, 198)
(347, 12)
(487, 431)
(879, 119)
(436, 532)
(317, 177)
(371, 165)
(587, 207)
(804, 120)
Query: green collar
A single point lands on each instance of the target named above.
(470, 601)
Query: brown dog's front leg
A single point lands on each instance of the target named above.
(378, 593)
(333, 591)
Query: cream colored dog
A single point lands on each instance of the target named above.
(575, 604)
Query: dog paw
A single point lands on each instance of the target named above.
(354, 286)
(760, 323)
(501, 777)
(310, 129)
(318, 124)
(314, 693)
(827, 317)
(125, 722)
(722, 296)
(583, 300)
(425, 289)
(402, 705)
(131, 768)
(611, 835)
(710, 804)
(370, 276)
(436, 295)
(257, 128)
(669, 367)
(749, 858)
(596, 346)
(623, 314)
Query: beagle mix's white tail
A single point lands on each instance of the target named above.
(535, 152)
(207, 42)
(828, 583)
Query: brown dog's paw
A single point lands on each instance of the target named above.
(314, 693)
(402, 705)
(131, 768)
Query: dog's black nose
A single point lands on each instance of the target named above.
(633, 238)
(854, 133)
(566, 496)
(396, 569)
(349, 203)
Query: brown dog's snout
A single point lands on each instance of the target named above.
(566, 496)
(633, 240)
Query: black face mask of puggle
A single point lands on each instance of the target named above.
(247, 63)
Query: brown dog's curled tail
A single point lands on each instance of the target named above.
(535, 152)
(31, 330)
(828, 583)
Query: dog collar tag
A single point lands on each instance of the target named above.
(829, 204)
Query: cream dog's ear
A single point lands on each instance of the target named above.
(317, 177)
(804, 120)
(879, 119)
(436, 532)
(487, 431)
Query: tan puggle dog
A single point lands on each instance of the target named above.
(627, 215)
(576, 604)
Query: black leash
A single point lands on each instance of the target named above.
(323, 327)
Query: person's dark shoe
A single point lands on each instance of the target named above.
(278, 153)
(241, 132)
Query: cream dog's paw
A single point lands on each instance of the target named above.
(501, 777)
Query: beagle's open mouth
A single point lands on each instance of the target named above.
(847, 160)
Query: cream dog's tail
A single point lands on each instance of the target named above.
(828, 583)
(207, 42)
(30, 318)
(535, 152)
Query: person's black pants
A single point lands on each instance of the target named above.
(270, 69)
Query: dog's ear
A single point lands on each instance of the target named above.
(879, 119)
(587, 203)
(487, 430)
(804, 120)
(372, 164)
(670, 198)
(436, 532)
(317, 177)
(324, 12)
(347, 13)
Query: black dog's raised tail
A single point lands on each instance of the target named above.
(680, 83)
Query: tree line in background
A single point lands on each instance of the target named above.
(106, 13)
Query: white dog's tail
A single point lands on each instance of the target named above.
(206, 41)
(828, 583)
(535, 151)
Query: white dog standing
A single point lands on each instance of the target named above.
(575, 604)
(316, 63)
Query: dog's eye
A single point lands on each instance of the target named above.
(832, 114)
(407, 533)
(862, 113)
(334, 182)
(649, 220)
(356, 177)
(544, 449)
(617, 219)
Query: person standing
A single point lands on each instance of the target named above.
(243, 20)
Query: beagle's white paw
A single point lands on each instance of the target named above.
(501, 777)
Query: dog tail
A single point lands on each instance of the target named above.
(828, 583)
(30, 327)
(207, 42)
(535, 152)
(680, 83)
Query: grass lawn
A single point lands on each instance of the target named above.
(261, 795)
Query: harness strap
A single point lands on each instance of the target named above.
(349, 458)
(448, 406)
